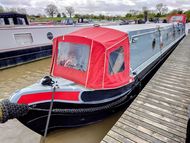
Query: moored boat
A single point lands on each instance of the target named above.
(94, 72)
(22, 42)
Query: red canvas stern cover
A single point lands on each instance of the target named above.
(177, 18)
(97, 46)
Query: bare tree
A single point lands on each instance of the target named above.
(161, 8)
(70, 11)
(51, 10)
(165, 9)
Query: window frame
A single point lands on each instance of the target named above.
(87, 62)
(123, 64)
(18, 36)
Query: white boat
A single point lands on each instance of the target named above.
(21, 42)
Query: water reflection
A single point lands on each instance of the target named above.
(18, 77)
(88, 134)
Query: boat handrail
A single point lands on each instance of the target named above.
(133, 40)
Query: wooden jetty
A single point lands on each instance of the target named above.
(160, 112)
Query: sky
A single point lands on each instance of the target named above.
(108, 7)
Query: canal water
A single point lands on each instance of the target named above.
(13, 131)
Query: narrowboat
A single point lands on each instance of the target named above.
(93, 74)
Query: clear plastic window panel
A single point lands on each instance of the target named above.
(116, 61)
(2, 22)
(176, 18)
(73, 55)
(21, 21)
(141, 50)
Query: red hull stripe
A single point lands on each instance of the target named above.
(38, 97)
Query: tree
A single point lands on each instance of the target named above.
(140, 15)
(59, 15)
(188, 15)
(145, 12)
(161, 8)
(179, 11)
(77, 16)
(64, 15)
(51, 10)
(151, 14)
(1, 9)
(165, 9)
(176, 11)
(128, 15)
(101, 16)
(39, 15)
(70, 11)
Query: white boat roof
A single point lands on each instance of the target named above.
(137, 27)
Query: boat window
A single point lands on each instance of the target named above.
(11, 22)
(154, 43)
(116, 61)
(21, 21)
(176, 18)
(2, 22)
(23, 38)
(73, 55)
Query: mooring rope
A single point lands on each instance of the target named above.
(9, 110)
(49, 113)
(47, 81)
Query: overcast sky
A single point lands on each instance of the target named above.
(110, 7)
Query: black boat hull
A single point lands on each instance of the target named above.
(67, 118)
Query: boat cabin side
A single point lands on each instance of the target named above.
(96, 58)
(146, 46)
(148, 42)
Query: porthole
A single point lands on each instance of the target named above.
(167, 36)
(50, 35)
(174, 34)
(179, 31)
(153, 43)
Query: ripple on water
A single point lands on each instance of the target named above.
(19, 77)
